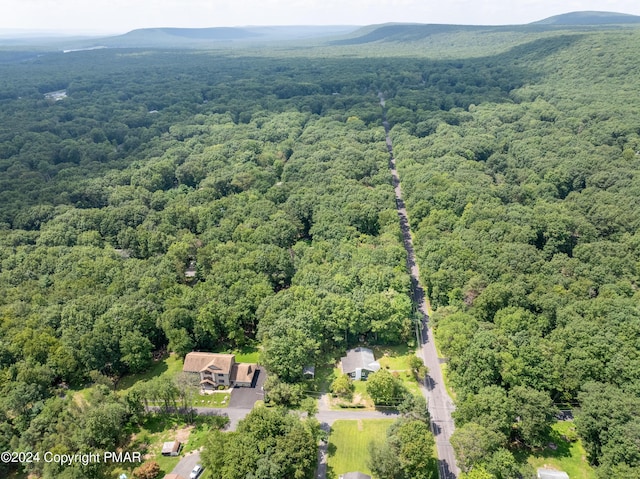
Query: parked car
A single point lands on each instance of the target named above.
(195, 473)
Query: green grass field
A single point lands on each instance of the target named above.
(169, 366)
(393, 357)
(361, 396)
(569, 457)
(218, 399)
(349, 444)
(396, 359)
(247, 354)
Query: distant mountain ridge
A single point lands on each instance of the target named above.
(214, 33)
(195, 37)
(407, 32)
(400, 32)
(589, 18)
(215, 37)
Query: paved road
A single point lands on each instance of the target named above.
(186, 464)
(235, 415)
(323, 454)
(440, 404)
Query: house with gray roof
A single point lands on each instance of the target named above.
(359, 363)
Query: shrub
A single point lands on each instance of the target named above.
(148, 470)
(343, 387)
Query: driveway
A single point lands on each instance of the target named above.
(245, 398)
(186, 464)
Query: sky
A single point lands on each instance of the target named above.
(119, 16)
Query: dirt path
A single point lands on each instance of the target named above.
(440, 404)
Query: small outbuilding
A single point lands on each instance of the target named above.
(544, 473)
(309, 372)
(359, 363)
(171, 448)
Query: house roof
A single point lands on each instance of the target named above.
(551, 474)
(359, 358)
(242, 372)
(355, 475)
(196, 362)
(171, 446)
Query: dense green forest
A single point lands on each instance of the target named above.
(275, 186)
(267, 170)
(526, 220)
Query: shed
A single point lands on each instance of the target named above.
(544, 473)
(309, 372)
(171, 448)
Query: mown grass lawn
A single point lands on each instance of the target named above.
(393, 357)
(218, 399)
(248, 354)
(569, 457)
(170, 366)
(397, 360)
(410, 382)
(349, 444)
(361, 396)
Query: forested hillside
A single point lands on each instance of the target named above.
(276, 187)
(267, 171)
(526, 219)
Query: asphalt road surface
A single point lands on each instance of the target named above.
(440, 404)
(245, 398)
(186, 464)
